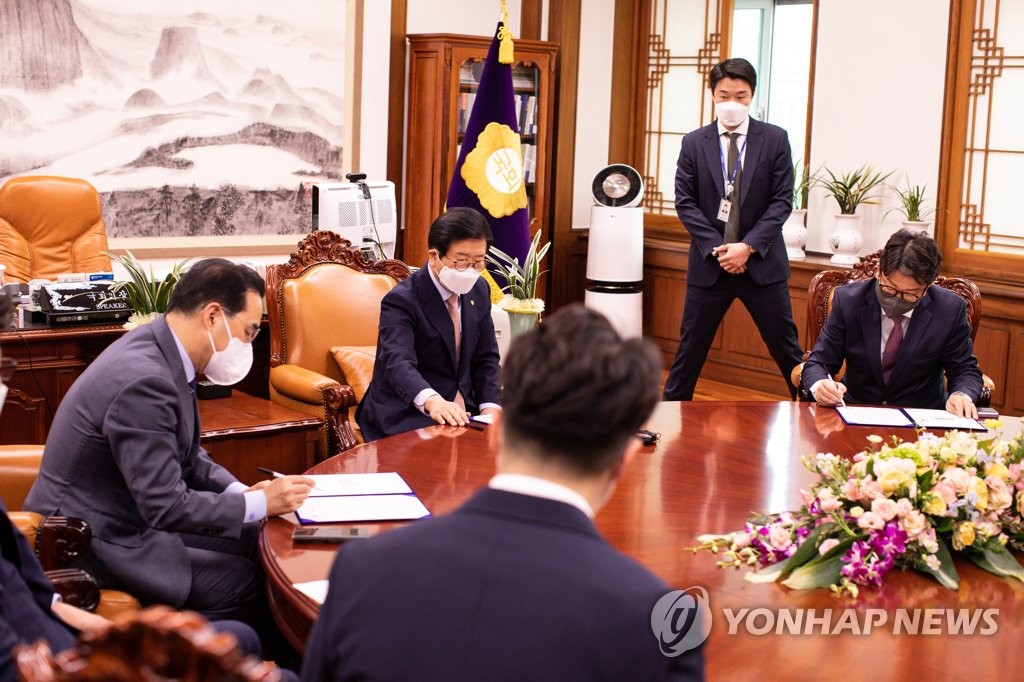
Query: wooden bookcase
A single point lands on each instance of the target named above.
(443, 73)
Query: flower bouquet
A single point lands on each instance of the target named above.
(898, 505)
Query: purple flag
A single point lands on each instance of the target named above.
(489, 172)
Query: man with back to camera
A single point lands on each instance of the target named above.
(907, 365)
(169, 525)
(517, 583)
(734, 190)
(437, 356)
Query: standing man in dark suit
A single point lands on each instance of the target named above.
(169, 525)
(517, 584)
(734, 190)
(903, 340)
(437, 356)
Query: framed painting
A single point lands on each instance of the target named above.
(201, 124)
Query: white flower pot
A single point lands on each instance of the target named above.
(918, 226)
(846, 240)
(795, 234)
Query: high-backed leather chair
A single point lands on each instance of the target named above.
(324, 310)
(155, 644)
(50, 225)
(58, 540)
(823, 286)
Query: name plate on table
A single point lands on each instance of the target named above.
(68, 303)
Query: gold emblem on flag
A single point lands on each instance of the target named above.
(494, 170)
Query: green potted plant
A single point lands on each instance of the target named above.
(912, 206)
(520, 299)
(147, 295)
(850, 190)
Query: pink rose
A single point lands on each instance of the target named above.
(957, 477)
(779, 537)
(913, 523)
(871, 490)
(946, 490)
(827, 500)
(885, 508)
(903, 507)
(999, 496)
(869, 520)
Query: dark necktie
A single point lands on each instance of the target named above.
(892, 347)
(732, 226)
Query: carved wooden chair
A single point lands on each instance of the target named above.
(324, 310)
(155, 644)
(819, 302)
(58, 540)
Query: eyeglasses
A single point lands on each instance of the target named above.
(251, 331)
(477, 264)
(908, 296)
(7, 367)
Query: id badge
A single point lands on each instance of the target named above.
(723, 210)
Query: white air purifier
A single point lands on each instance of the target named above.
(615, 251)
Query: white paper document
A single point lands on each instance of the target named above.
(940, 419)
(358, 484)
(314, 589)
(352, 508)
(874, 416)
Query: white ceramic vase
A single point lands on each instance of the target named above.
(795, 234)
(918, 226)
(846, 240)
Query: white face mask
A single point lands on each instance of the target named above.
(3, 395)
(458, 281)
(731, 113)
(229, 366)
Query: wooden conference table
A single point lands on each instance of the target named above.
(716, 462)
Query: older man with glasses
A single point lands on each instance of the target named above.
(437, 356)
(904, 341)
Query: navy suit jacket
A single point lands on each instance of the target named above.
(25, 599)
(507, 587)
(766, 200)
(123, 453)
(937, 345)
(416, 350)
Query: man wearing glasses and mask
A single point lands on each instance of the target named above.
(169, 524)
(437, 356)
(905, 342)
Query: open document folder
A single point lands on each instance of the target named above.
(906, 417)
(350, 498)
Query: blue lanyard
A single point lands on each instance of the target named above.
(721, 155)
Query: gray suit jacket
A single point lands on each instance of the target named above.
(123, 453)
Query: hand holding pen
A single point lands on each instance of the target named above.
(285, 493)
(830, 392)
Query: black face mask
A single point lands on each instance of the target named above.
(893, 306)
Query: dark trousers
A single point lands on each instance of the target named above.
(703, 311)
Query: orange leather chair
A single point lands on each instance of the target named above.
(324, 310)
(51, 225)
(823, 287)
(57, 540)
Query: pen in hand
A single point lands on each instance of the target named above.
(842, 403)
(276, 474)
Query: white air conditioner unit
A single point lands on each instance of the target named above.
(363, 213)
